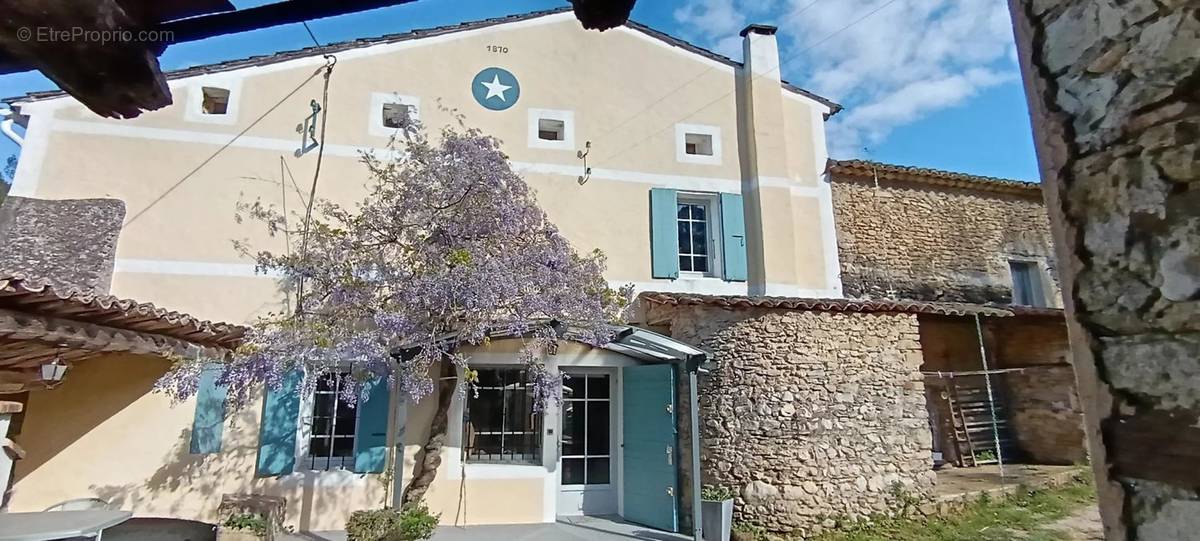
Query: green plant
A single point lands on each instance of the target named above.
(984, 456)
(716, 493)
(745, 530)
(413, 523)
(247, 521)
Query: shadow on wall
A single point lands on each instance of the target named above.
(57, 418)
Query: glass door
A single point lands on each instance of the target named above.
(587, 457)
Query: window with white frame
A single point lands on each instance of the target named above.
(698, 143)
(586, 430)
(332, 426)
(386, 111)
(214, 101)
(552, 129)
(393, 114)
(697, 227)
(500, 424)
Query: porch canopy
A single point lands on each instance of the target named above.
(40, 323)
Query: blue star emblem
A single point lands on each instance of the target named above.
(495, 88)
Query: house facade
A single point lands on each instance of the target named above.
(692, 172)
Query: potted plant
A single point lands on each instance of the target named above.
(716, 512)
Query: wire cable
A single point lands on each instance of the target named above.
(312, 192)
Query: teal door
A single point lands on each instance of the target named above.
(648, 436)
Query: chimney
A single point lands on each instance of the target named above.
(770, 236)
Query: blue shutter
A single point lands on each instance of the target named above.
(280, 420)
(210, 413)
(733, 237)
(664, 234)
(370, 439)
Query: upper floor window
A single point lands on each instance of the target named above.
(333, 426)
(695, 235)
(698, 143)
(1026, 283)
(386, 111)
(553, 129)
(501, 425)
(215, 100)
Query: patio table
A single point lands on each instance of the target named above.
(49, 525)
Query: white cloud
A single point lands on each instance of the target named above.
(900, 64)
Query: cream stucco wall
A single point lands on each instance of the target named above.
(626, 89)
(105, 433)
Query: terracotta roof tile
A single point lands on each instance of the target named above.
(33, 296)
(887, 171)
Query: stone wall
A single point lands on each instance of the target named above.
(809, 415)
(1114, 94)
(1046, 416)
(915, 241)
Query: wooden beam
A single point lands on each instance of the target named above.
(265, 16)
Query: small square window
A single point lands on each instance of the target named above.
(216, 100)
(394, 113)
(698, 144)
(551, 130)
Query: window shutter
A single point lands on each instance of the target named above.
(209, 421)
(280, 420)
(370, 438)
(664, 234)
(733, 237)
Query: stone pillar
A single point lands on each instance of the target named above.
(1114, 95)
(764, 161)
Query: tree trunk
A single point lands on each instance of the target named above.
(1114, 95)
(431, 457)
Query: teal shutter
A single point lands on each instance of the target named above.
(664, 234)
(210, 413)
(733, 237)
(280, 420)
(370, 438)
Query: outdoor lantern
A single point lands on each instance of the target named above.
(53, 371)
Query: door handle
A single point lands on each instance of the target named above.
(670, 455)
(741, 239)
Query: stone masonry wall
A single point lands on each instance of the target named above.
(1047, 418)
(809, 415)
(914, 241)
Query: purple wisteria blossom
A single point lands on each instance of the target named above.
(448, 240)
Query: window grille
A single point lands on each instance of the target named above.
(334, 421)
(500, 424)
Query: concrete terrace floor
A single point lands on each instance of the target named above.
(956, 483)
(566, 529)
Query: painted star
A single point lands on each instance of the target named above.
(495, 88)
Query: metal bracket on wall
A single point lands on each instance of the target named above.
(308, 130)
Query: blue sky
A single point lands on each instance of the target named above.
(932, 83)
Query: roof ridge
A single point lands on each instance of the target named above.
(928, 174)
(419, 33)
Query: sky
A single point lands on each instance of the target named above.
(930, 83)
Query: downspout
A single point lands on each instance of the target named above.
(694, 406)
(6, 126)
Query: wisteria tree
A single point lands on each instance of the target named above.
(448, 241)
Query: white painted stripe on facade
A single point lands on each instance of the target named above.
(678, 182)
(703, 286)
(188, 268)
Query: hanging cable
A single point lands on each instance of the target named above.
(330, 61)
